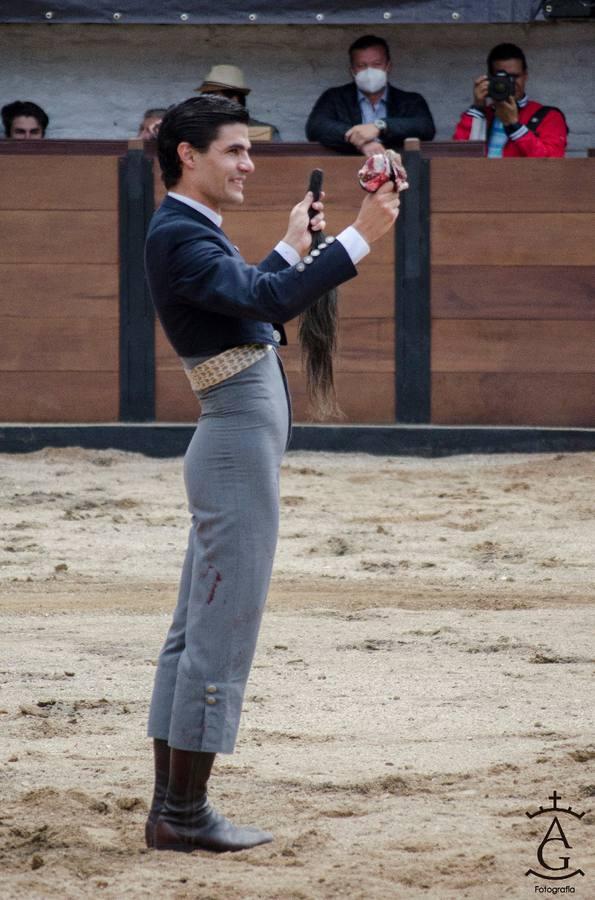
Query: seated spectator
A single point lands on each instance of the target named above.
(24, 120)
(228, 81)
(515, 126)
(148, 128)
(368, 114)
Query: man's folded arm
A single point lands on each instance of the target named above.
(325, 124)
(549, 140)
(419, 123)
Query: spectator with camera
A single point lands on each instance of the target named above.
(24, 120)
(503, 116)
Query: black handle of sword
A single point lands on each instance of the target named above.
(315, 185)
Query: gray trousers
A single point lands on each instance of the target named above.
(231, 471)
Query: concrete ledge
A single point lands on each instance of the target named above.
(165, 439)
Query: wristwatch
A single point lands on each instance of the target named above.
(380, 125)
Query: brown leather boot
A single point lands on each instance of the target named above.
(161, 758)
(188, 821)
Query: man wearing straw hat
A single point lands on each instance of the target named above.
(228, 81)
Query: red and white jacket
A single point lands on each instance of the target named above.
(548, 138)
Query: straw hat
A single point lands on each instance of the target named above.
(224, 78)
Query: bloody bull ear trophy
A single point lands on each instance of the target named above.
(380, 168)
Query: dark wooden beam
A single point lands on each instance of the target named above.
(137, 317)
(412, 293)
(380, 440)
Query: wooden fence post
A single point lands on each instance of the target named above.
(137, 317)
(412, 292)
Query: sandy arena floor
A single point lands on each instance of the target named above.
(423, 678)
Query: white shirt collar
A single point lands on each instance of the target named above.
(522, 101)
(199, 207)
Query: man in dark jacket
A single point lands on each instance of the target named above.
(218, 313)
(368, 114)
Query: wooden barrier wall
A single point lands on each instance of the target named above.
(512, 288)
(59, 288)
(513, 291)
(365, 367)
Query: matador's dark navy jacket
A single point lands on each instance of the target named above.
(208, 298)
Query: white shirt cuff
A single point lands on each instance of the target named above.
(350, 238)
(289, 253)
(356, 246)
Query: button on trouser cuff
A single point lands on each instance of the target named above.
(205, 716)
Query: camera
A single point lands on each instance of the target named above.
(501, 86)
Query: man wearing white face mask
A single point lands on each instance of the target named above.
(369, 114)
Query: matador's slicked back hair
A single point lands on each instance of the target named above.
(197, 121)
